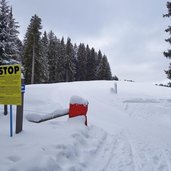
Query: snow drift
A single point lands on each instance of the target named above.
(128, 131)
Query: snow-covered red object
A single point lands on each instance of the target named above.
(78, 107)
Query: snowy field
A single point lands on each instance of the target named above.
(127, 131)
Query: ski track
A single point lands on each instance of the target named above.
(148, 157)
(125, 153)
(119, 154)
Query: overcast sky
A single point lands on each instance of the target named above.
(129, 32)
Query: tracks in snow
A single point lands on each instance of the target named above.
(118, 153)
(111, 153)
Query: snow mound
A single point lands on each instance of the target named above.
(77, 120)
(78, 100)
(79, 148)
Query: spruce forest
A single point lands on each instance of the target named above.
(44, 57)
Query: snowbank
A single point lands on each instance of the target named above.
(128, 131)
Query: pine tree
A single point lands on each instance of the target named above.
(53, 56)
(168, 53)
(91, 64)
(70, 69)
(60, 71)
(9, 49)
(59, 61)
(104, 72)
(32, 59)
(44, 54)
(81, 63)
(76, 61)
(13, 48)
(99, 60)
(99, 57)
(4, 30)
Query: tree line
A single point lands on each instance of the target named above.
(57, 61)
(44, 57)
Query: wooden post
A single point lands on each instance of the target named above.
(5, 109)
(115, 85)
(19, 113)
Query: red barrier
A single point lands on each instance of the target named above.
(78, 110)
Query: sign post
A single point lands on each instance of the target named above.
(19, 112)
(5, 109)
(11, 125)
(115, 85)
(10, 87)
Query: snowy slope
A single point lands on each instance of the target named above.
(128, 131)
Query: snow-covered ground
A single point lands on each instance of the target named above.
(127, 131)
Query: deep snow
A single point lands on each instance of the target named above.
(127, 131)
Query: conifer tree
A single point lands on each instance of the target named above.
(99, 56)
(168, 53)
(13, 48)
(4, 30)
(44, 54)
(32, 59)
(108, 69)
(104, 72)
(52, 56)
(81, 63)
(99, 59)
(91, 64)
(9, 49)
(70, 69)
(59, 61)
(60, 70)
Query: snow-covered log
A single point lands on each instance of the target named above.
(37, 118)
